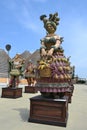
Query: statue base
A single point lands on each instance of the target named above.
(11, 92)
(48, 111)
(30, 89)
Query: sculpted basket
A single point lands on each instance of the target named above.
(45, 72)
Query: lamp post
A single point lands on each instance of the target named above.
(8, 48)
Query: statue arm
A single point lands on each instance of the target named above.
(42, 49)
(58, 42)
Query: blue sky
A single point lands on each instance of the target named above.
(21, 27)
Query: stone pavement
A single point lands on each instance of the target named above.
(14, 113)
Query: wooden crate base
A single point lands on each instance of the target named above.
(11, 92)
(48, 111)
(30, 89)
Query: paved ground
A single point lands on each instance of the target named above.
(14, 113)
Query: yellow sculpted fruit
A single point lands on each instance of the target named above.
(60, 68)
(61, 76)
(56, 76)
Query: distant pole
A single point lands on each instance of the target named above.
(8, 48)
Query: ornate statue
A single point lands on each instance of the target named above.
(30, 73)
(16, 70)
(53, 67)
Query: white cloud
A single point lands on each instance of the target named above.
(23, 14)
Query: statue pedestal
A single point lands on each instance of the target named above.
(48, 111)
(30, 89)
(11, 92)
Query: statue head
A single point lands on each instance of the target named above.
(51, 22)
